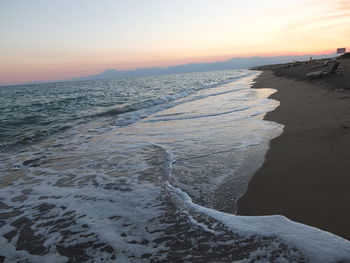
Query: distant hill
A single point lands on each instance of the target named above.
(234, 63)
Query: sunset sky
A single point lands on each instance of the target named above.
(51, 40)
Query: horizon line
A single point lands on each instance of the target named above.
(296, 54)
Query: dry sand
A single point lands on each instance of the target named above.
(306, 174)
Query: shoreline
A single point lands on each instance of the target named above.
(306, 173)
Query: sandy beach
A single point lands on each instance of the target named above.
(306, 174)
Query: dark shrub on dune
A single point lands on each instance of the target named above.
(346, 55)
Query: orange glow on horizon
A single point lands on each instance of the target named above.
(70, 70)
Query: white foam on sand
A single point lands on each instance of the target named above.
(315, 244)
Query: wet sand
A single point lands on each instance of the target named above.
(306, 174)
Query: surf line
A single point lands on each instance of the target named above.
(214, 153)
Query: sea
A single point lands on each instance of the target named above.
(144, 169)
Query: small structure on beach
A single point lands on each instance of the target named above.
(341, 50)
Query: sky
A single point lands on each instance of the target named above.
(43, 40)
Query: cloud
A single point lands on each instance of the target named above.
(326, 14)
(343, 5)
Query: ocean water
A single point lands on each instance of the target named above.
(142, 170)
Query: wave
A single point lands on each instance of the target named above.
(33, 136)
(143, 104)
(123, 115)
(131, 114)
(169, 98)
